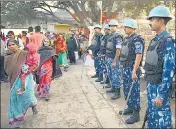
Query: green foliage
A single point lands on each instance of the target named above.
(136, 8)
(17, 12)
(24, 11)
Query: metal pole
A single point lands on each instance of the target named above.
(101, 6)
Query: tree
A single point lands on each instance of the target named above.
(17, 12)
(88, 12)
(84, 12)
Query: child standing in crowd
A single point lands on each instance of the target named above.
(48, 69)
(31, 65)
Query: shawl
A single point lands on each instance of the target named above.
(13, 64)
(60, 44)
(46, 52)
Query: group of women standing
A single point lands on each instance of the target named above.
(20, 68)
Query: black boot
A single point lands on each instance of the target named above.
(95, 76)
(127, 111)
(134, 118)
(107, 81)
(107, 86)
(98, 80)
(116, 94)
(102, 82)
(112, 90)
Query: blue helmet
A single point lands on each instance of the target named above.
(113, 22)
(160, 11)
(97, 26)
(130, 23)
(106, 27)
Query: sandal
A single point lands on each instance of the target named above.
(34, 110)
(20, 91)
(47, 98)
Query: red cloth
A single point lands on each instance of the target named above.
(60, 44)
(45, 72)
(32, 60)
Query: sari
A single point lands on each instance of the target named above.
(48, 70)
(61, 48)
(19, 103)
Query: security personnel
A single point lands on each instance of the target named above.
(104, 39)
(131, 60)
(159, 69)
(95, 47)
(112, 52)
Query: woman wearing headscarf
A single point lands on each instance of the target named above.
(15, 66)
(48, 69)
(61, 48)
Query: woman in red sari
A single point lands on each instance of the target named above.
(47, 69)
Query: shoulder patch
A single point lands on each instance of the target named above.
(170, 39)
(138, 45)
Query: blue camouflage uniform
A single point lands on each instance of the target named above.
(114, 73)
(160, 117)
(136, 46)
(96, 50)
(103, 69)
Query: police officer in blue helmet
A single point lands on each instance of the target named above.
(159, 69)
(95, 47)
(112, 52)
(131, 61)
(102, 55)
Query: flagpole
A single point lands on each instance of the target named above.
(101, 13)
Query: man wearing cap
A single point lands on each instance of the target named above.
(112, 52)
(95, 50)
(103, 44)
(131, 60)
(159, 69)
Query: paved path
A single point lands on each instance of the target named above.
(76, 102)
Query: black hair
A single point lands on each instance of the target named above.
(30, 29)
(37, 29)
(10, 32)
(12, 40)
(166, 19)
(24, 32)
(80, 33)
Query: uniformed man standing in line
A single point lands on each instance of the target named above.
(103, 69)
(131, 60)
(159, 69)
(95, 47)
(112, 52)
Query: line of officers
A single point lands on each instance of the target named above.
(111, 52)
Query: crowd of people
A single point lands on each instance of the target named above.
(31, 61)
(34, 59)
(120, 58)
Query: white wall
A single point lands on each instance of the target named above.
(16, 31)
